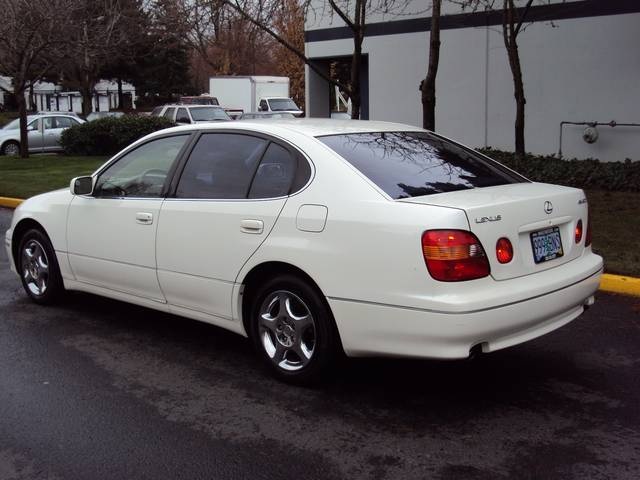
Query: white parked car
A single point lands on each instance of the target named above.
(188, 114)
(313, 236)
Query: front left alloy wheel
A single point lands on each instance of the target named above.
(11, 149)
(38, 268)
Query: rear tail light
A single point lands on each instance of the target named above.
(579, 231)
(454, 255)
(504, 250)
(587, 240)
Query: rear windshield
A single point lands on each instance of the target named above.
(411, 164)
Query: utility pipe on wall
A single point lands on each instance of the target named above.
(611, 124)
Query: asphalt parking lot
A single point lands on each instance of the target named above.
(99, 389)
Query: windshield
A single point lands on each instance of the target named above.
(411, 164)
(12, 125)
(15, 124)
(208, 114)
(280, 104)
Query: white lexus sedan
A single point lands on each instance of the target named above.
(311, 237)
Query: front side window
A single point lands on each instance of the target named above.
(64, 122)
(48, 122)
(411, 164)
(156, 112)
(182, 116)
(141, 172)
(221, 166)
(263, 105)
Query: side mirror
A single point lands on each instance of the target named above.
(31, 128)
(81, 185)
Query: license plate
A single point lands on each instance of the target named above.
(546, 244)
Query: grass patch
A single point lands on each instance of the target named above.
(616, 229)
(23, 178)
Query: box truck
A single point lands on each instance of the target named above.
(253, 94)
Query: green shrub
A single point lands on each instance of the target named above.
(107, 136)
(585, 174)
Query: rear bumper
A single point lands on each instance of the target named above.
(368, 328)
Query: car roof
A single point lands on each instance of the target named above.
(314, 127)
(190, 105)
(55, 114)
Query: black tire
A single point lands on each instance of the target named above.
(8, 145)
(37, 262)
(325, 337)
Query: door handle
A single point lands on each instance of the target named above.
(252, 226)
(144, 218)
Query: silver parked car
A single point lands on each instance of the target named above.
(43, 131)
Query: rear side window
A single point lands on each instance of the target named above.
(275, 173)
(169, 113)
(221, 166)
(411, 164)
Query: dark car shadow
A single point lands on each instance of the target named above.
(508, 376)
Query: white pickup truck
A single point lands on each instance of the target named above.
(253, 94)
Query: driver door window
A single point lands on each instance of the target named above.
(182, 116)
(141, 172)
(35, 134)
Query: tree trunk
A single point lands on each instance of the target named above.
(22, 111)
(357, 27)
(510, 36)
(428, 86)
(32, 101)
(86, 91)
(120, 96)
(356, 62)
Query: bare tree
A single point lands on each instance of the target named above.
(263, 22)
(99, 34)
(428, 85)
(354, 13)
(514, 18)
(29, 34)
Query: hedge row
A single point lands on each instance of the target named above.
(586, 174)
(107, 136)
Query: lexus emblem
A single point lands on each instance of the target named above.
(548, 207)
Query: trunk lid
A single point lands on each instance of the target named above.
(516, 211)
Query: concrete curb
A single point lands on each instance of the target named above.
(609, 283)
(10, 202)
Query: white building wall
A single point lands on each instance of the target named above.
(583, 69)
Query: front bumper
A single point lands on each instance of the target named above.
(368, 329)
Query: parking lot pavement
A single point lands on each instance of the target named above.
(99, 389)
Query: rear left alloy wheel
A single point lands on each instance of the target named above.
(292, 330)
(38, 268)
